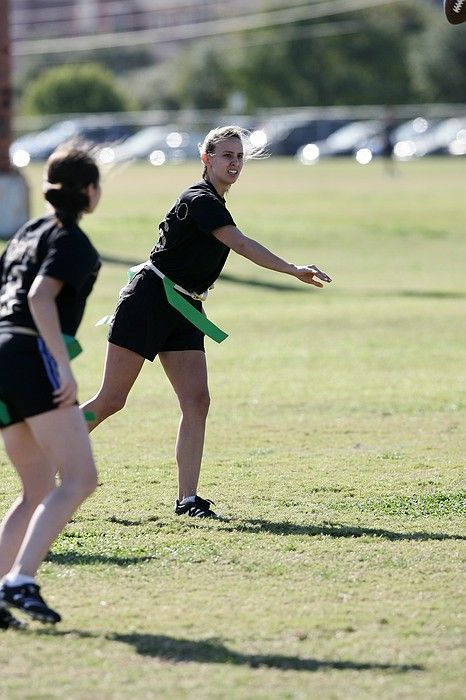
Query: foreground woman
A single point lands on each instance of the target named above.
(46, 274)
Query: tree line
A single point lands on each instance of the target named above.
(399, 54)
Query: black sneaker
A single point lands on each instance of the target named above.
(28, 599)
(199, 508)
(8, 621)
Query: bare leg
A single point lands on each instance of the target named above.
(38, 479)
(62, 436)
(121, 371)
(187, 372)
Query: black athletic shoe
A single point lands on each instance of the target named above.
(28, 599)
(199, 508)
(8, 621)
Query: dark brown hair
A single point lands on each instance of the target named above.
(69, 170)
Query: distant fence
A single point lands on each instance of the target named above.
(201, 119)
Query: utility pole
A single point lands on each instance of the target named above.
(14, 195)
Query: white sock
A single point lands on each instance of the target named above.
(188, 499)
(18, 580)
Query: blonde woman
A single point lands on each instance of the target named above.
(195, 239)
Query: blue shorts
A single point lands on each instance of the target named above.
(28, 376)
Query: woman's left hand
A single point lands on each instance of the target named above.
(66, 394)
(310, 274)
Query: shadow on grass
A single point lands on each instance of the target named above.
(226, 277)
(334, 530)
(67, 558)
(431, 294)
(215, 652)
(133, 523)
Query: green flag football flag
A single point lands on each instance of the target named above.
(192, 314)
(181, 304)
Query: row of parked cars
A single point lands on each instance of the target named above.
(112, 143)
(308, 139)
(412, 139)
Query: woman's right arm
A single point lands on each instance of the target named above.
(260, 255)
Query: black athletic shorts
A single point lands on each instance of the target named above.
(147, 324)
(28, 376)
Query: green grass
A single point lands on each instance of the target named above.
(335, 452)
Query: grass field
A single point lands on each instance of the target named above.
(335, 453)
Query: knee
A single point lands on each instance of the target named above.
(113, 403)
(88, 483)
(196, 404)
(35, 493)
(82, 483)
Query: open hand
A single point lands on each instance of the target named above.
(310, 274)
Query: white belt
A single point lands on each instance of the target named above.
(149, 265)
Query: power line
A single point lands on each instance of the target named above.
(118, 8)
(316, 31)
(193, 31)
(261, 38)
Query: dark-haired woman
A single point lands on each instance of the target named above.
(47, 272)
(195, 239)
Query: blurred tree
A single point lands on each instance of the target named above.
(441, 62)
(117, 60)
(152, 87)
(79, 88)
(368, 66)
(202, 78)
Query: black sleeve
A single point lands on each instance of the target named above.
(209, 214)
(69, 258)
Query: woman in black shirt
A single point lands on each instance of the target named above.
(47, 272)
(195, 239)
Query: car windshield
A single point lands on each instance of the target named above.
(147, 136)
(447, 130)
(413, 129)
(350, 134)
(280, 125)
(62, 130)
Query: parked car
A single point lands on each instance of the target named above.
(179, 146)
(158, 144)
(341, 142)
(457, 147)
(447, 138)
(39, 145)
(410, 139)
(403, 139)
(284, 135)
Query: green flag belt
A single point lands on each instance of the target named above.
(175, 299)
(196, 317)
(74, 349)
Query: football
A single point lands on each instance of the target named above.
(455, 11)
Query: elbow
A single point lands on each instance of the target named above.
(36, 297)
(32, 296)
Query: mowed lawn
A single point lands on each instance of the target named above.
(335, 454)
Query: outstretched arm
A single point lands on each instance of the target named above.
(260, 255)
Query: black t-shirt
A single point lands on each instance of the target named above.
(51, 248)
(186, 250)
